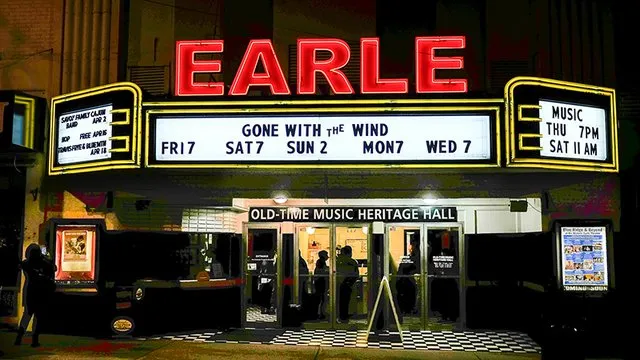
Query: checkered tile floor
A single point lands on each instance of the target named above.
(486, 341)
(254, 314)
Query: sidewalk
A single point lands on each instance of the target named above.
(67, 347)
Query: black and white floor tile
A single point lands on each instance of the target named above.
(328, 338)
(485, 341)
(254, 314)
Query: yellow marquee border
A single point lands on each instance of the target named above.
(575, 165)
(326, 106)
(493, 105)
(136, 134)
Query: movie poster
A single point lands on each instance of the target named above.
(584, 258)
(75, 252)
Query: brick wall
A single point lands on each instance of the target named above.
(29, 44)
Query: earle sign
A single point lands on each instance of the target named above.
(324, 138)
(262, 53)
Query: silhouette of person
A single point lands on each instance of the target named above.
(347, 269)
(303, 278)
(321, 279)
(267, 285)
(38, 287)
(406, 284)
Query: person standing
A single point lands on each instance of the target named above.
(38, 287)
(321, 282)
(348, 275)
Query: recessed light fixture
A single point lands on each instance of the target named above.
(280, 199)
(429, 199)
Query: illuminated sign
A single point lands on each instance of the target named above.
(75, 252)
(353, 214)
(84, 135)
(338, 136)
(262, 53)
(560, 125)
(96, 129)
(584, 258)
(324, 138)
(572, 131)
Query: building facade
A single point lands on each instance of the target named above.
(71, 46)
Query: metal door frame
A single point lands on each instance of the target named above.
(296, 265)
(462, 303)
(334, 274)
(332, 305)
(424, 227)
(279, 262)
(423, 261)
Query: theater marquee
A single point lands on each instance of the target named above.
(548, 123)
(561, 125)
(340, 134)
(96, 129)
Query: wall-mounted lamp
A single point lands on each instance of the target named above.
(365, 229)
(311, 230)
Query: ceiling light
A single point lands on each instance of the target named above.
(280, 199)
(430, 200)
(311, 230)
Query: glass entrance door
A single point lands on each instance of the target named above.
(405, 274)
(312, 289)
(351, 283)
(423, 263)
(262, 276)
(445, 280)
(332, 275)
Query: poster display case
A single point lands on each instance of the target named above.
(584, 256)
(75, 253)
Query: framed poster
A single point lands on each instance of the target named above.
(584, 258)
(76, 252)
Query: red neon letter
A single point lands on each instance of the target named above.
(308, 65)
(246, 75)
(370, 82)
(187, 66)
(427, 64)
